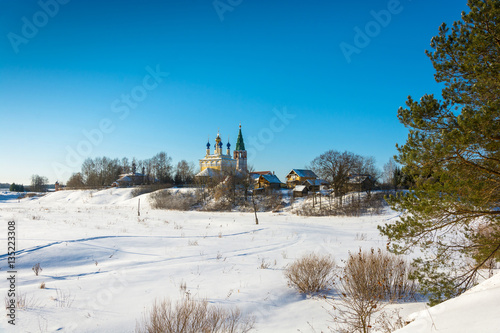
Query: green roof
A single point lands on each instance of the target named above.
(240, 145)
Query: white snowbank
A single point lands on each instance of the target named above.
(477, 310)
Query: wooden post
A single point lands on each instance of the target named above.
(254, 208)
(320, 200)
(139, 208)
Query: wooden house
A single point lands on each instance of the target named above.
(299, 176)
(255, 175)
(269, 182)
(359, 183)
(314, 185)
(131, 179)
(300, 191)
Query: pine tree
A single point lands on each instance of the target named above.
(453, 156)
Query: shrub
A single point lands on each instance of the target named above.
(190, 316)
(311, 273)
(37, 268)
(139, 190)
(379, 274)
(165, 199)
(368, 279)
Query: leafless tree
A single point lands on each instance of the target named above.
(388, 175)
(38, 183)
(184, 172)
(125, 165)
(75, 181)
(335, 167)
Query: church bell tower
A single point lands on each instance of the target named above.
(240, 154)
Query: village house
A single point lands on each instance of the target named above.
(300, 191)
(360, 182)
(269, 181)
(299, 176)
(314, 185)
(254, 175)
(132, 179)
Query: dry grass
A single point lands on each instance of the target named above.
(388, 322)
(23, 302)
(311, 273)
(264, 264)
(64, 299)
(190, 316)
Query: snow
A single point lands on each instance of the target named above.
(477, 310)
(299, 188)
(103, 265)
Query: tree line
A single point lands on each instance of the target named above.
(335, 167)
(104, 171)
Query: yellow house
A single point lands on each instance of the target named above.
(299, 176)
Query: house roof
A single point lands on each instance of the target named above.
(125, 179)
(303, 173)
(357, 179)
(137, 174)
(272, 179)
(316, 182)
(299, 188)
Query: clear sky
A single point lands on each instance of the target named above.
(129, 79)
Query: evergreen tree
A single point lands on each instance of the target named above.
(16, 188)
(453, 156)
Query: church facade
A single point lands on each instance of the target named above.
(218, 162)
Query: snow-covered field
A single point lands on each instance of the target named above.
(103, 265)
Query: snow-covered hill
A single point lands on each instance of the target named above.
(477, 310)
(103, 264)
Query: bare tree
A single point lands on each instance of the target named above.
(76, 181)
(161, 167)
(184, 172)
(388, 175)
(39, 183)
(101, 171)
(134, 165)
(125, 165)
(335, 167)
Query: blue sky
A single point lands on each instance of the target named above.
(129, 79)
